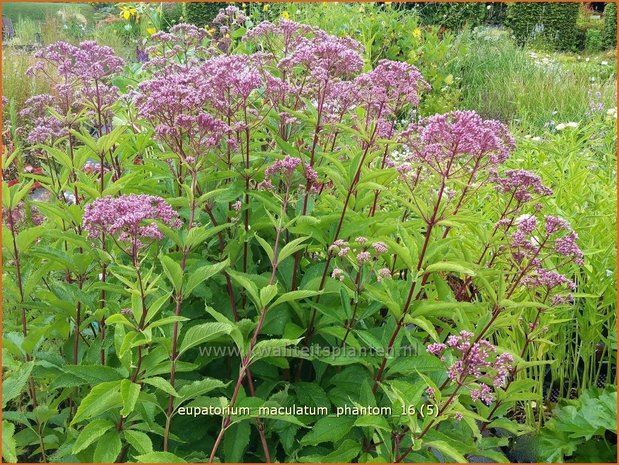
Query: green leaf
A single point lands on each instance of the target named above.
(247, 284)
(295, 295)
(117, 318)
(156, 306)
(328, 429)
(372, 421)
(236, 441)
(100, 399)
(197, 236)
(159, 457)
(108, 448)
(202, 274)
(139, 441)
(130, 392)
(161, 384)
(15, 384)
(345, 453)
(197, 388)
(291, 248)
(451, 267)
(8, 442)
(266, 246)
(448, 450)
(93, 431)
(267, 294)
(272, 348)
(173, 271)
(206, 332)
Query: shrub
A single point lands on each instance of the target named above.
(223, 228)
(201, 13)
(555, 22)
(450, 15)
(171, 14)
(610, 26)
(578, 430)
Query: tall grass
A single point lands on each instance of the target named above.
(580, 166)
(16, 86)
(503, 81)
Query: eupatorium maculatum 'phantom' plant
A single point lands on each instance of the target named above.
(260, 192)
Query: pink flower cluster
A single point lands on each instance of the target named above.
(522, 184)
(129, 218)
(287, 166)
(459, 141)
(42, 127)
(476, 360)
(87, 61)
(85, 72)
(390, 86)
(529, 241)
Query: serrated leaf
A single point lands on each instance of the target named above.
(173, 271)
(8, 442)
(450, 267)
(130, 392)
(202, 274)
(108, 448)
(236, 441)
(15, 384)
(93, 431)
(159, 457)
(100, 399)
(139, 441)
(295, 295)
(206, 332)
(272, 348)
(328, 429)
(162, 384)
(290, 248)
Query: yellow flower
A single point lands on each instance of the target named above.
(210, 31)
(128, 12)
(265, 7)
(285, 15)
(417, 33)
(150, 31)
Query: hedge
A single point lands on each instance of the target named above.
(555, 22)
(609, 34)
(202, 13)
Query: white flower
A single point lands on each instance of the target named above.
(536, 139)
(604, 63)
(562, 126)
(612, 112)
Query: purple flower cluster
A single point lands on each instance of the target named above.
(129, 218)
(476, 360)
(87, 61)
(522, 184)
(180, 49)
(528, 241)
(287, 166)
(390, 86)
(547, 279)
(84, 86)
(175, 105)
(448, 142)
(325, 56)
(532, 246)
(42, 127)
